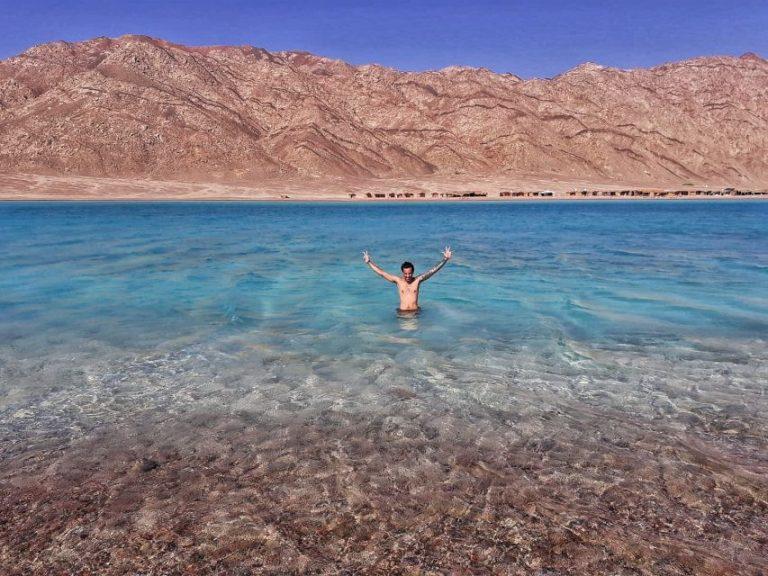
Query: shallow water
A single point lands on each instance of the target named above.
(584, 391)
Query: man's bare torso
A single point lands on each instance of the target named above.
(409, 294)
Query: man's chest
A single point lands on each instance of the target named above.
(405, 288)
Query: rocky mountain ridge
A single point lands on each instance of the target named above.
(146, 108)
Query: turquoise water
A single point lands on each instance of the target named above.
(243, 291)
(142, 275)
(576, 364)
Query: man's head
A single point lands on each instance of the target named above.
(407, 269)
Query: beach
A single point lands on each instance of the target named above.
(22, 186)
(225, 388)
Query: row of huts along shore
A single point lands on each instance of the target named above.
(665, 193)
(422, 195)
(569, 194)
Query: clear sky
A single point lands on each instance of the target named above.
(528, 38)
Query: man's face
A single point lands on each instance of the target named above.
(408, 274)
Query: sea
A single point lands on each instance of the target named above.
(572, 360)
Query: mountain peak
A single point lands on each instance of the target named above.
(114, 107)
(752, 56)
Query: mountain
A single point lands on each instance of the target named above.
(139, 107)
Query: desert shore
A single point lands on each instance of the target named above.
(16, 186)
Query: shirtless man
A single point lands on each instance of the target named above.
(408, 284)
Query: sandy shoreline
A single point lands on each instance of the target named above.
(27, 187)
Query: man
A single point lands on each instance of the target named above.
(408, 284)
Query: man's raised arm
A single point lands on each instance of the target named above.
(379, 271)
(447, 254)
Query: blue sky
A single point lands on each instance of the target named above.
(527, 38)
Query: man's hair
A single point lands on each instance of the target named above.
(405, 265)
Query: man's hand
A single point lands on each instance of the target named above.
(447, 255)
(386, 275)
